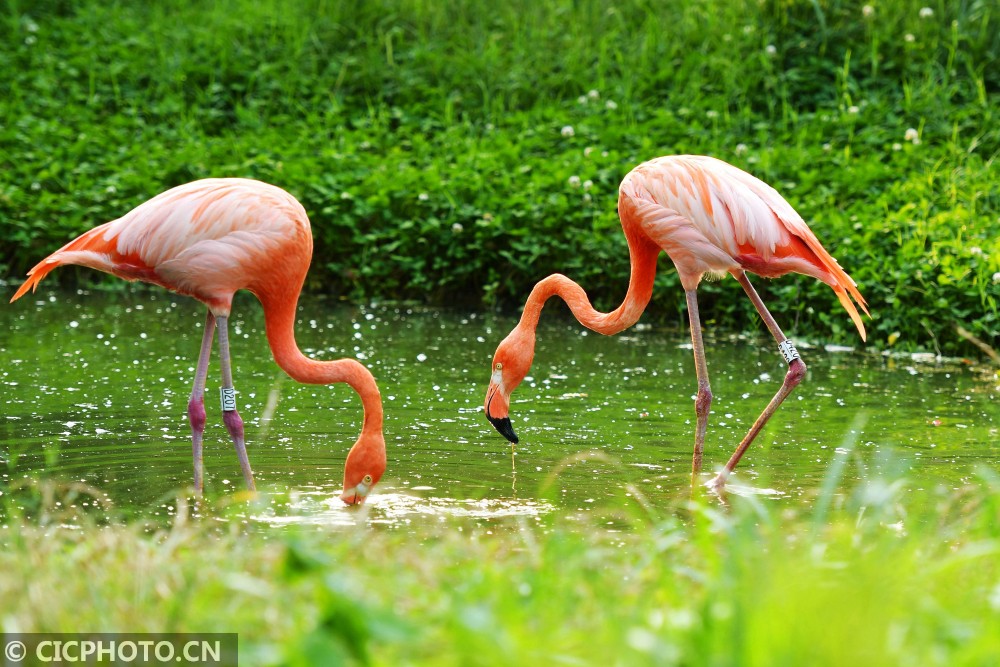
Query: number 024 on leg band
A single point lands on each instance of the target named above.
(788, 351)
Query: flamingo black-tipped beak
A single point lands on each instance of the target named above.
(503, 426)
(352, 498)
(356, 495)
(497, 404)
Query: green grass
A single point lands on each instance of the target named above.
(883, 574)
(424, 138)
(426, 141)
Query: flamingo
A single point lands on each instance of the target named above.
(207, 239)
(710, 218)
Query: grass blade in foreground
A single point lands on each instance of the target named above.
(892, 576)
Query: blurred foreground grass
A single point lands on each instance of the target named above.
(880, 575)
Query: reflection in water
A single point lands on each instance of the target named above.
(93, 390)
(741, 490)
(319, 508)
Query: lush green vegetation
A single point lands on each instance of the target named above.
(426, 139)
(452, 152)
(882, 575)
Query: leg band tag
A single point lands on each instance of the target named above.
(228, 399)
(788, 351)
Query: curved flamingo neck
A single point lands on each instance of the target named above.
(279, 318)
(642, 255)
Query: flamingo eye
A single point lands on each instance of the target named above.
(367, 480)
(498, 366)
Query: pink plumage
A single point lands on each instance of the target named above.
(710, 218)
(205, 239)
(208, 239)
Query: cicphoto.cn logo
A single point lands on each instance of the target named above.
(114, 649)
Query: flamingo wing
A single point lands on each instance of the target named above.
(794, 240)
(205, 239)
(712, 217)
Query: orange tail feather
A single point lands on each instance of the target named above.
(34, 277)
(845, 300)
(843, 285)
(92, 240)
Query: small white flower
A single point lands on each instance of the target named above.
(996, 278)
(31, 26)
(593, 94)
(867, 11)
(908, 37)
(712, 113)
(770, 49)
(897, 146)
(741, 149)
(111, 189)
(457, 228)
(587, 198)
(853, 109)
(423, 196)
(975, 250)
(30, 39)
(827, 147)
(611, 105)
(582, 99)
(912, 135)
(587, 184)
(587, 151)
(567, 131)
(926, 12)
(574, 181)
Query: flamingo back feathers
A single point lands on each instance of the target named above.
(205, 239)
(712, 217)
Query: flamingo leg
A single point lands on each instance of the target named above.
(196, 406)
(703, 402)
(230, 417)
(796, 371)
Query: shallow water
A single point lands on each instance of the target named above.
(95, 388)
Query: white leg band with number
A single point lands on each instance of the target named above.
(228, 399)
(788, 351)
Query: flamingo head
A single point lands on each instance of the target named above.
(510, 365)
(364, 468)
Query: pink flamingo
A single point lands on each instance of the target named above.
(208, 239)
(710, 218)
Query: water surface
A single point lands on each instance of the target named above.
(95, 389)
